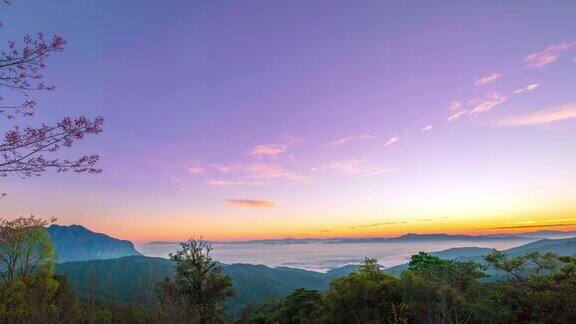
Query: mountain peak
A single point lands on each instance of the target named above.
(78, 243)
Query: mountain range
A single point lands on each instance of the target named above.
(404, 238)
(121, 273)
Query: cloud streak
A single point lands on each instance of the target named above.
(426, 129)
(545, 116)
(351, 139)
(354, 168)
(457, 115)
(250, 203)
(488, 103)
(273, 150)
(527, 88)
(391, 140)
(548, 56)
(526, 226)
(195, 170)
(269, 150)
(234, 183)
(487, 79)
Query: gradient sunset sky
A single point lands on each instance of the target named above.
(267, 119)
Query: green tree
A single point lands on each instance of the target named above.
(537, 287)
(368, 295)
(303, 306)
(27, 259)
(199, 280)
(441, 291)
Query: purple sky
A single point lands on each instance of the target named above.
(247, 119)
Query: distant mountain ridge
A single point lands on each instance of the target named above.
(564, 247)
(544, 234)
(77, 243)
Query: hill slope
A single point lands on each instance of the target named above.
(134, 279)
(77, 243)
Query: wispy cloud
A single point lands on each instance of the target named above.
(221, 168)
(391, 140)
(351, 139)
(354, 168)
(487, 79)
(172, 177)
(426, 129)
(254, 174)
(270, 150)
(488, 103)
(457, 111)
(457, 115)
(527, 88)
(271, 172)
(545, 116)
(455, 106)
(273, 150)
(250, 203)
(548, 56)
(195, 169)
(384, 224)
(526, 226)
(234, 183)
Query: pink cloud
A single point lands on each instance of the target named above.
(351, 139)
(545, 116)
(457, 115)
(527, 88)
(488, 103)
(274, 149)
(270, 150)
(353, 168)
(221, 168)
(195, 169)
(455, 106)
(548, 56)
(250, 203)
(487, 79)
(391, 140)
(271, 172)
(426, 129)
(234, 183)
(256, 174)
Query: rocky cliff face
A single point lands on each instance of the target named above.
(77, 243)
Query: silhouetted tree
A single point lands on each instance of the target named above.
(199, 280)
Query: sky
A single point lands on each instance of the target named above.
(252, 119)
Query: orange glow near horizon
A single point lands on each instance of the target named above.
(181, 228)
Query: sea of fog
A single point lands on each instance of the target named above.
(323, 256)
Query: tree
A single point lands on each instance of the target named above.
(172, 305)
(25, 248)
(27, 259)
(199, 280)
(441, 291)
(537, 287)
(368, 295)
(303, 306)
(29, 151)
